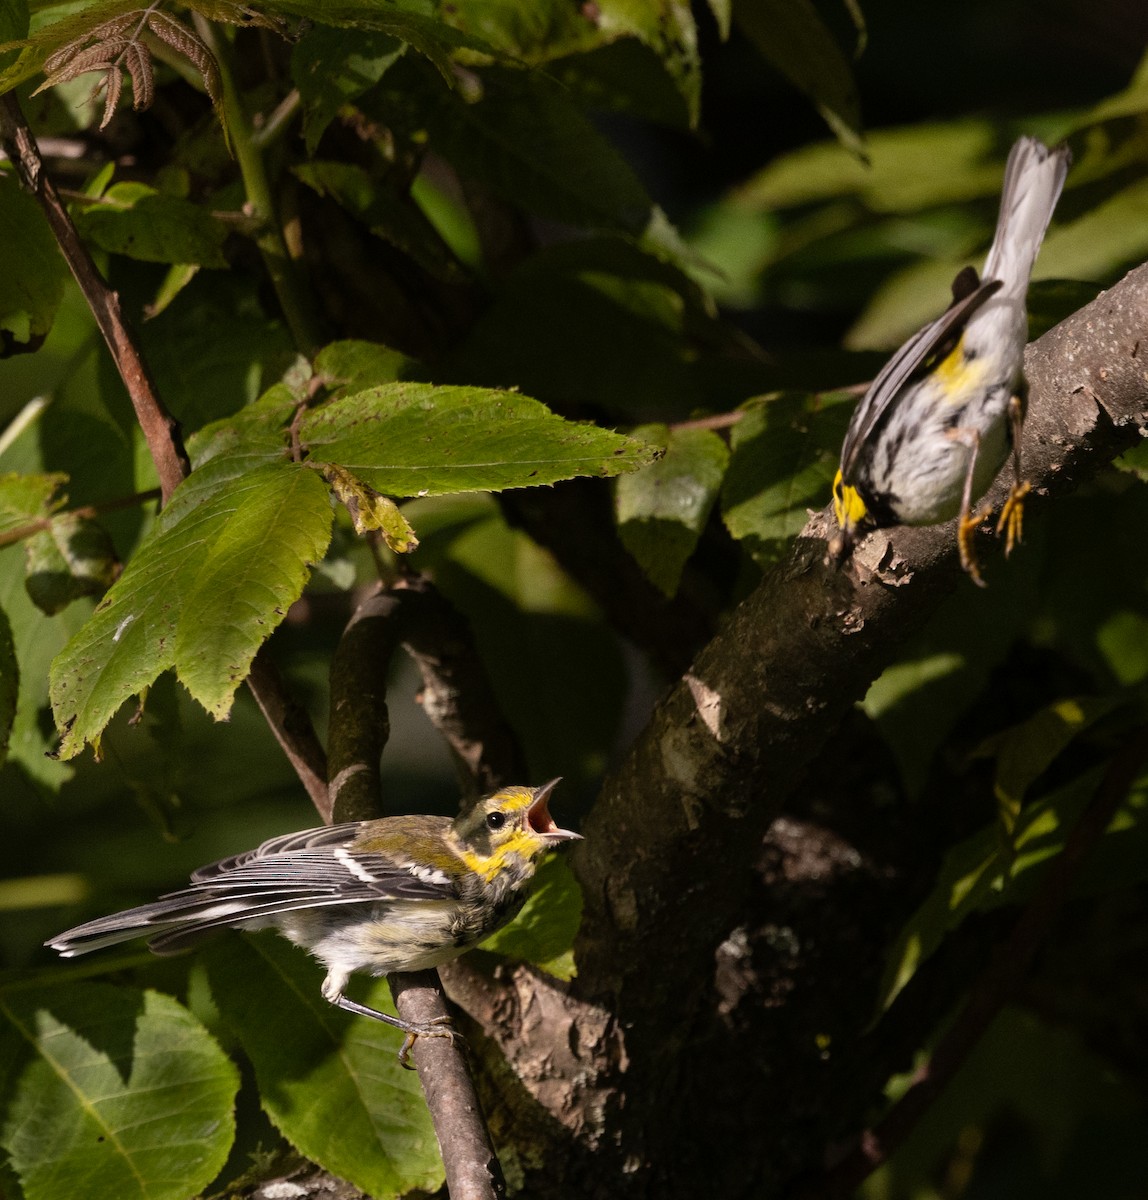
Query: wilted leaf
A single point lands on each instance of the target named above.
(370, 510)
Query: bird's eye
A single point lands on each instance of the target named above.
(495, 820)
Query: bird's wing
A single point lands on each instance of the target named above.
(897, 372)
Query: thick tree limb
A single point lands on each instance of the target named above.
(669, 845)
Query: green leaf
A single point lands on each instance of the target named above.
(539, 32)
(944, 669)
(387, 215)
(13, 21)
(791, 36)
(662, 509)
(201, 595)
(1024, 752)
(32, 282)
(525, 139)
(73, 557)
(411, 439)
(331, 1082)
(667, 28)
(333, 67)
(27, 499)
(784, 454)
(137, 220)
(113, 1094)
(983, 872)
(406, 20)
(543, 933)
(908, 169)
(355, 365)
(256, 435)
(9, 683)
(723, 14)
(214, 350)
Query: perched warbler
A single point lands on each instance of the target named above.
(395, 894)
(938, 422)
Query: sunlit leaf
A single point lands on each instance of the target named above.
(411, 439)
(121, 1094)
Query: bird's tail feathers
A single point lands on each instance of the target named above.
(1033, 179)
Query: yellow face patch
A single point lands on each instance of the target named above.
(847, 504)
(519, 844)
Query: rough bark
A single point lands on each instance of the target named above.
(622, 1072)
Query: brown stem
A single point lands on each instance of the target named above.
(86, 511)
(996, 986)
(291, 725)
(359, 731)
(456, 694)
(159, 427)
(288, 721)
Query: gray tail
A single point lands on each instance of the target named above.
(1032, 182)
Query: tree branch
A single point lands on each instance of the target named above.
(359, 730)
(728, 745)
(288, 721)
(456, 692)
(159, 427)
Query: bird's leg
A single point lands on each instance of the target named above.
(1011, 522)
(439, 1027)
(967, 521)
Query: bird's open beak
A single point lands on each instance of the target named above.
(540, 821)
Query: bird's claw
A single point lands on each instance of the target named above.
(439, 1027)
(1011, 522)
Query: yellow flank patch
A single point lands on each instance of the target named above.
(955, 375)
(847, 504)
(520, 844)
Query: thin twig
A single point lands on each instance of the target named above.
(291, 725)
(159, 427)
(456, 693)
(294, 298)
(996, 986)
(86, 511)
(359, 730)
(473, 1171)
